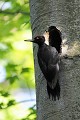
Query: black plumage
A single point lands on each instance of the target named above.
(55, 38)
(48, 60)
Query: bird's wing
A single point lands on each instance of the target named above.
(55, 56)
(53, 68)
(52, 75)
(42, 65)
(48, 63)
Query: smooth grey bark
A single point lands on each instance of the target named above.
(65, 14)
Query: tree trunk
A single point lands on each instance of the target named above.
(64, 15)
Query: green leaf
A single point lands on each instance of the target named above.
(25, 70)
(1, 105)
(12, 79)
(4, 94)
(11, 102)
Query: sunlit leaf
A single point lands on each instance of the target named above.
(4, 93)
(25, 70)
(1, 105)
(12, 79)
(11, 102)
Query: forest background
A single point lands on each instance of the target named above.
(17, 83)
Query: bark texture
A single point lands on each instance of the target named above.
(65, 14)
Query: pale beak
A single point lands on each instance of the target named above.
(46, 30)
(29, 40)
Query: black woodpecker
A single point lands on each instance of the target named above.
(48, 60)
(55, 39)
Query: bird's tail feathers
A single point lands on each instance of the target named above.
(55, 93)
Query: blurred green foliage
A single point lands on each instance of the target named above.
(31, 115)
(16, 56)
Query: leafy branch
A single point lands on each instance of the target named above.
(14, 13)
(13, 102)
(10, 102)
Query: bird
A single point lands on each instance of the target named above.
(48, 60)
(55, 38)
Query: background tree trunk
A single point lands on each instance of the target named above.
(65, 15)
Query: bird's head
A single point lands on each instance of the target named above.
(54, 31)
(51, 28)
(38, 40)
